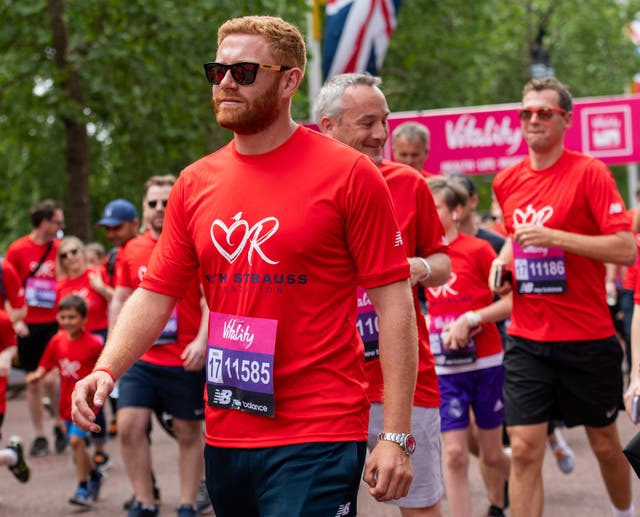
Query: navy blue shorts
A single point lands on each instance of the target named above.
(579, 382)
(309, 479)
(171, 389)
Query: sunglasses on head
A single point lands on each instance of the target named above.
(242, 73)
(71, 253)
(543, 113)
(154, 203)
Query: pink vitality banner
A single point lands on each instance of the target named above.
(486, 139)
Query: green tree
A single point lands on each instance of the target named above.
(97, 95)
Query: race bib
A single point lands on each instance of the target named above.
(367, 325)
(40, 292)
(539, 270)
(442, 356)
(240, 359)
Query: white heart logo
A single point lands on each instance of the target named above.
(228, 232)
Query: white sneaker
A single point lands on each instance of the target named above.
(563, 453)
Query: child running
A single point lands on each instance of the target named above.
(74, 352)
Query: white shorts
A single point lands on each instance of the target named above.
(427, 487)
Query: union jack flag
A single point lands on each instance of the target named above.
(357, 35)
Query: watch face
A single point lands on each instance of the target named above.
(411, 444)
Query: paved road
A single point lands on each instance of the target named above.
(53, 482)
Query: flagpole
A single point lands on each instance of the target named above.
(314, 66)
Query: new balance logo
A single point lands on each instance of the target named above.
(222, 397)
(398, 241)
(343, 509)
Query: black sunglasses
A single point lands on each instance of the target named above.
(71, 253)
(242, 73)
(154, 203)
(543, 113)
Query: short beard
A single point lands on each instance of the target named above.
(260, 114)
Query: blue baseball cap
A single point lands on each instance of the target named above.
(117, 212)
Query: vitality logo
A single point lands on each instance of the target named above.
(230, 241)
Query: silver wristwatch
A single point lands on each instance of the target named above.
(404, 440)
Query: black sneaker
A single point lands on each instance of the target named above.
(101, 460)
(495, 511)
(130, 503)
(20, 470)
(60, 434)
(39, 447)
(94, 483)
(137, 510)
(186, 510)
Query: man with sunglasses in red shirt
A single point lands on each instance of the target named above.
(34, 259)
(565, 219)
(280, 225)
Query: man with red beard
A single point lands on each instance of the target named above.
(352, 109)
(280, 225)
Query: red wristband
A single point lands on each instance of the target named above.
(107, 371)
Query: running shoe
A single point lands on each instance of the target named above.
(203, 502)
(137, 510)
(495, 511)
(186, 510)
(39, 447)
(130, 503)
(101, 460)
(20, 470)
(94, 484)
(82, 497)
(563, 453)
(113, 428)
(60, 434)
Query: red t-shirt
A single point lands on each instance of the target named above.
(40, 289)
(184, 323)
(7, 339)
(423, 235)
(467, 290)
(576, 194)
(283, 238)
(97, 304)
(12, 285)
(74, 359)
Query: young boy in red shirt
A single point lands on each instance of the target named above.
(74, 352)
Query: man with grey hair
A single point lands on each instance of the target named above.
(351, 108)
(411, 144)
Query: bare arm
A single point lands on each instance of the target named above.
(388, 469)
(120, 296)
(436, 273)
(139, 324)
(617, 248)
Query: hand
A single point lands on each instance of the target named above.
(533, 235)
(456, 335)
(506, 287)
(21, 329)
(193, 356)
(388, 471)
(632, 391)
(89, 394)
